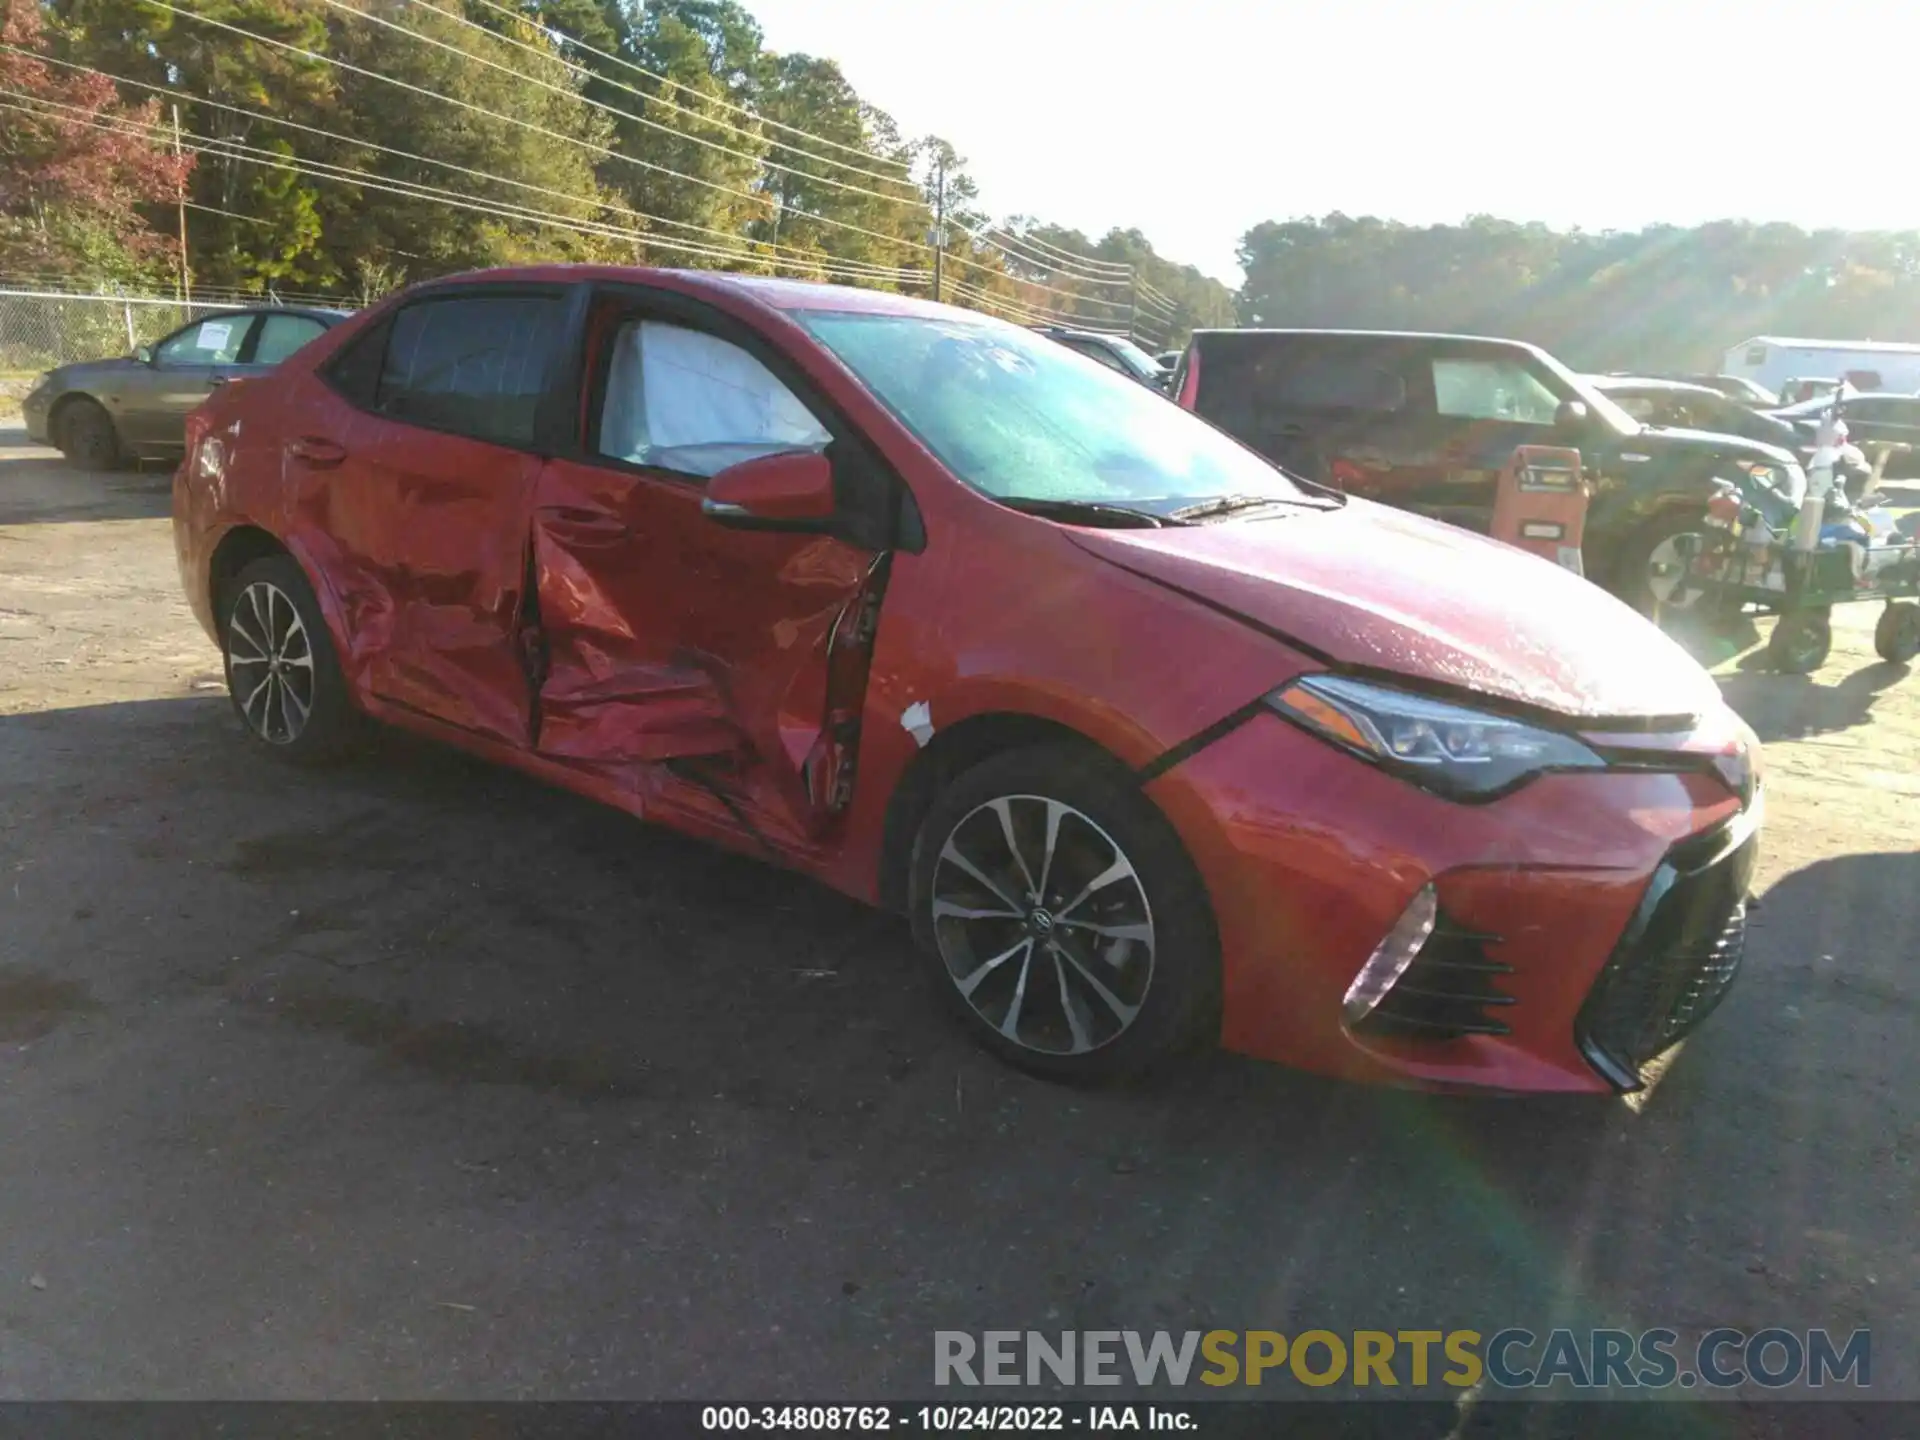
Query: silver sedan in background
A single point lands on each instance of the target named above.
(101, 412)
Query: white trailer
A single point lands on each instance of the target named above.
(1773, 361)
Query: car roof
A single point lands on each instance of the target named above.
(310, 312)
(1875, 347)
(1269, 330)
(1650, 382)
(772, 291)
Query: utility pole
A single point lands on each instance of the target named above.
(939, 219)
(186, 273)
(1133, 304)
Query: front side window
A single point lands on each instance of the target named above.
(1012, 416)
(476, 365)
(281, 335)
(682, 400)
(1492, 389)
(211, 342)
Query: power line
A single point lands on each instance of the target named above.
(900, 272)
(592, 74)
(571, 94)
(321, 170)
(1066, 258)
(710, 99)
(1073, 295)
(527, 124)
(1053, 267)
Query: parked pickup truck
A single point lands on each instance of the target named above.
(1425, 422)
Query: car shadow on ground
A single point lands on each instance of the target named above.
(41, 489)
(1795, 707)
(464, 993)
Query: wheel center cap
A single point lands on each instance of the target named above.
(1040, 922)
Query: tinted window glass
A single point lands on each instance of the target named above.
(1491, 389)
(475, 365)
(1241, 380)
(211, 342)
(355, 371)
(679, 399)
(281, 335)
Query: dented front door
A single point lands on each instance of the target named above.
(666, 640)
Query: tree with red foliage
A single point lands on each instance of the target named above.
(76, 166)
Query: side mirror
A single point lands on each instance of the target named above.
(791, 492)
(144, 354)
(1571, 415)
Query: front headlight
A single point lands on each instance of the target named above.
(1447, 748)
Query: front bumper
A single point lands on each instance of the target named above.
(37, 410)
(1310, 857)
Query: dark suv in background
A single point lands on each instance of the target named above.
(1426, 422)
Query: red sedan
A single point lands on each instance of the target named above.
(1153, 743)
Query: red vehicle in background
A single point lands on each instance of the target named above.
(1153, 743)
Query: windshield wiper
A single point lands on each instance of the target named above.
(1238, 504)
(1090, 512)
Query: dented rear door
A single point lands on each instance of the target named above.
(438, 477)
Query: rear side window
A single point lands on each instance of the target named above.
(281, 335)
(1243, 379)
(475, 365)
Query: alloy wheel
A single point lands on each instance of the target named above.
(1043, 924)
(1669, 565)
(270, 663)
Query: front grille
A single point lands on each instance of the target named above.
(1446, 992)
(1677, 958)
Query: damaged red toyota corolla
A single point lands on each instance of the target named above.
(1151, 742)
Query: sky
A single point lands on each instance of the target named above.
(1196, 119)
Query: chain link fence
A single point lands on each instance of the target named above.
(40, 329)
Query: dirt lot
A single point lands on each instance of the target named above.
(418, 1079)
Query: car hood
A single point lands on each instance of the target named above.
(87, 372)
(1662, 443)
(1380, 590)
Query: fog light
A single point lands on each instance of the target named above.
(1391, 958)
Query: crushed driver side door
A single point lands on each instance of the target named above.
(707, 670)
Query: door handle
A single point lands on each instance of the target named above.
(316, 451)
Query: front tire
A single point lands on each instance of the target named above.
(85, 434)
(1896, 638)
(1801, 641)
(282, 674)
(1063, 919)
(1653, 572)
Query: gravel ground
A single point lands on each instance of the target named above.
(419, 1080)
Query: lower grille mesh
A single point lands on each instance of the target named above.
(1675, 963)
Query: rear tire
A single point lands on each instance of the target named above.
(86, 436)
(282, 673)
(1062, 918)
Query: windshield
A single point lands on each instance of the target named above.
(1598, 402)
(1816, 407)
(1018, 417)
